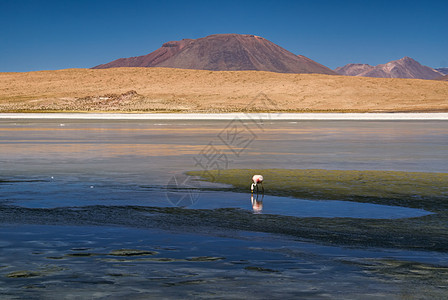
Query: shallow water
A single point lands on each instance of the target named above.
(44, 192)
(115, 169)
(79, 262)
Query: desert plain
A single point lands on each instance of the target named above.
(169, 90)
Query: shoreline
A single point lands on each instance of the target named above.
(230, 116)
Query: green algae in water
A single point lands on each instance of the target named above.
(45, 271)
(23, 274)
(423, 190)
(410, 189)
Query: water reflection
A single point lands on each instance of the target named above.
(257, 203)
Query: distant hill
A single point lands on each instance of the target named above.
(224, 52)
(402, 68)
(443, 78)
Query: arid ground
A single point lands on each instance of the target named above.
(177, 90)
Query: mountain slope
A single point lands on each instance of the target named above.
(402, 68)
(353, 69)
(224, 52)
(151, 60)
(443, 71)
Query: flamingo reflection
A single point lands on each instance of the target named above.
(257, 204)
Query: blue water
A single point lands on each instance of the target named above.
(51, 192)
(70, 195)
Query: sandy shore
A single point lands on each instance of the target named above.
(229, 116)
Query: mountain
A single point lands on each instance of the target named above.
(152, 59)
(443, 78)
(444, 71)
(402, 68)
(223, 52)
(353, 69)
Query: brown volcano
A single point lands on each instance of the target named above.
(224, 52)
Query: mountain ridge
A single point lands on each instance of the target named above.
(224, 52)
(405, 67)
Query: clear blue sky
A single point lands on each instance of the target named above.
(59, 34)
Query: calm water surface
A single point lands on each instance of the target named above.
(72, 193)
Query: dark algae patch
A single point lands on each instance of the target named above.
(205, 258)
(132, 252)
(428, 191)
(423, 233)
(81, 254)
(260, 269)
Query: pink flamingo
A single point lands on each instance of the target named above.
(257, 179)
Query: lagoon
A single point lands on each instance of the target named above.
(74, 192)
